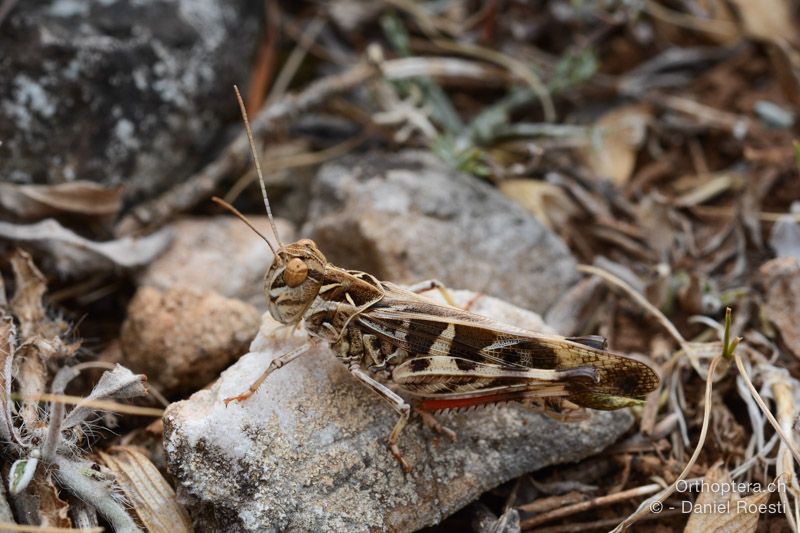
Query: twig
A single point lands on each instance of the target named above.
(580, 507)
(234, 158)
(736, 125)
(297, 160)
(764, 216)
(266, 56)
(601, 524)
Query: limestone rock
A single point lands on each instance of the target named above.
(307, 452)
(407, 217)
(119, 92)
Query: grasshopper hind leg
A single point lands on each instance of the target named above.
(431, 423)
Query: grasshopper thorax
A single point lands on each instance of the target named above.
(294, 280)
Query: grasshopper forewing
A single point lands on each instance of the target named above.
(446, 357)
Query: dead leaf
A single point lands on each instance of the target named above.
(721, 23)
(768, 20)
(723, 511)
(53, 511)
(117, 384)
(26, 303)
(547, 202)
(153, 499)
(73, 255)
(781, 282)
(35, 202)
(620, 133)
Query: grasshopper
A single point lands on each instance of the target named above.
(447, 357)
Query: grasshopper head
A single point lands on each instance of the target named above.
(293, 280)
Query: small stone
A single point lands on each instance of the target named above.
(307, 452)
(408, 217)
(182, 338)
(217, 253)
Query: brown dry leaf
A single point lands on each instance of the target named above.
(770, 20)
(53, 511)
(547, 202)
(31, 285)
(34, 202)
(722, 511)
(723, 17)
(781, 281)
(153, 499)
(621, 133)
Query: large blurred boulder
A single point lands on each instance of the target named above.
(119, 92)
(408, 217)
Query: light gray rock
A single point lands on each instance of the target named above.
(220, 254)
(408, 217)
(307, 452)
(119, 92)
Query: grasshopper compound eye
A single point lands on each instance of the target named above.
(296, 272)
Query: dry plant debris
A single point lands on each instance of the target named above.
(49, 442)
(657, 138)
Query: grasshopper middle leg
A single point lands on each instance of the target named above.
(430, 284)
(397, 403)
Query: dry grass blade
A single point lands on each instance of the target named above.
(722, 28)
(7, 526)
(641, 300)
(153, 499)
(652, 503)
(785, 438)
(103, 405)
(518, 68)
(783, 392)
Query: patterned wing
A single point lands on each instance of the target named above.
(456, 353)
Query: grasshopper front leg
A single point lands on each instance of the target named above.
(398, 404)
(273, 366)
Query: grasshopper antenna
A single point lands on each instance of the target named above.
(229, 207)
(258, 169)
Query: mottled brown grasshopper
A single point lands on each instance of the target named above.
(447, 357)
